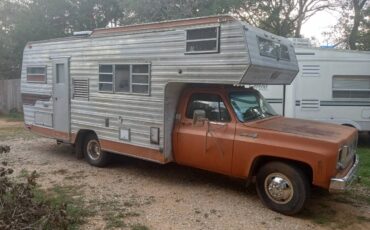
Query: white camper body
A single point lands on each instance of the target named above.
(124, 83)
(332, 86)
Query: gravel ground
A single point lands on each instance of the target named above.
(132, 192)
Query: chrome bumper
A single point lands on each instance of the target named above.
(342, 184)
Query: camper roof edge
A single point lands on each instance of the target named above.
(165, 24)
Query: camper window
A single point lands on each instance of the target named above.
(345, 86)
(125, 78)
(204, 40)
(106, 78)
(273, 49)
(36, 74)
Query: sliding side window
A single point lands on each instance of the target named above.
(204, 40)
(125, 78)
(36, 74)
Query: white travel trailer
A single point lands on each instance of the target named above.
(123, 83)
(332, 86)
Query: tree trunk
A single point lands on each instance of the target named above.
(353, 36)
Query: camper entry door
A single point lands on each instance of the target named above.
(61, 100)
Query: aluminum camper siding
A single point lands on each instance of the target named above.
(162, 49)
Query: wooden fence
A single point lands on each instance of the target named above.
(10, 95)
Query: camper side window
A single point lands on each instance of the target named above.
(347, 87)
(36, 75)
(126, 78)
(204, 40)
(273, 49)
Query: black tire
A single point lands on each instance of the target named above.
(93, 153)
(282, 187)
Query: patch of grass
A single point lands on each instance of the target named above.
(363, 219)
(23, 173)
(321, 215)
(139, 227)
(65, 197)
(364, 170)
(114, 220)
(9, 133)
(13, 115)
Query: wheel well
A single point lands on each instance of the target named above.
(349, 125)
(79, 141)
(262, 160)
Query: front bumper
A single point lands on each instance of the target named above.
(342, 184)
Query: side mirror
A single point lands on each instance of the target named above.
(199, 115)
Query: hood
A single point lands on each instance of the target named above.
(313, 129)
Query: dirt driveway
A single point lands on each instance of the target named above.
(133, 192)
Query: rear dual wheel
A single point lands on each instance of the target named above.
(93, 152)
(282, 187)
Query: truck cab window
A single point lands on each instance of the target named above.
(212, 104)
(249, 106)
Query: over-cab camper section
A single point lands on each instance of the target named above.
(123, 83)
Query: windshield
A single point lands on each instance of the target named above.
(249, 106)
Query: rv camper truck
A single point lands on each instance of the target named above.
(174, 92)
(332, 86)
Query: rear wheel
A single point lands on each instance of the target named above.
(282, 187)
(93, 153)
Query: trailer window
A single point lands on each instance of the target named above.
(346, 86)
(36, 74)
(126, 78)
(204, 40)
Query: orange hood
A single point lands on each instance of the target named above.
(312, 129)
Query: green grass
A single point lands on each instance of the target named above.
(9, 133)
(68, 197)
(114, 220)
(12, 116)
(139, 227)
(364, 170)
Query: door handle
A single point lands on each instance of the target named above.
(251, 135)
(218, 123)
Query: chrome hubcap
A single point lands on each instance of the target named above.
(279, 188)
(93, 149)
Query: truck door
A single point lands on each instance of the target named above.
(207, 143)
(61, 100)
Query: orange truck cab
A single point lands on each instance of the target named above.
(233, 131)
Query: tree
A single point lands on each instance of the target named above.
(352, 29)
(160, 10)
(281, 17)
(22, 21)
(357, 5)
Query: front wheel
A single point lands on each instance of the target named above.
(93, 153)
(282, 187)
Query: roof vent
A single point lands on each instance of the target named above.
(301, 42)
(82, 33)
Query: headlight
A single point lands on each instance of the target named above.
(342, 157)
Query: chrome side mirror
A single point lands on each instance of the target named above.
(199, 115)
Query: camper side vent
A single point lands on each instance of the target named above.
(310, 104)
(80, 89)
(311, 71)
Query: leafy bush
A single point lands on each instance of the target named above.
(23, 205)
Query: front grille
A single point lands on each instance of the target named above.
(352, 151)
